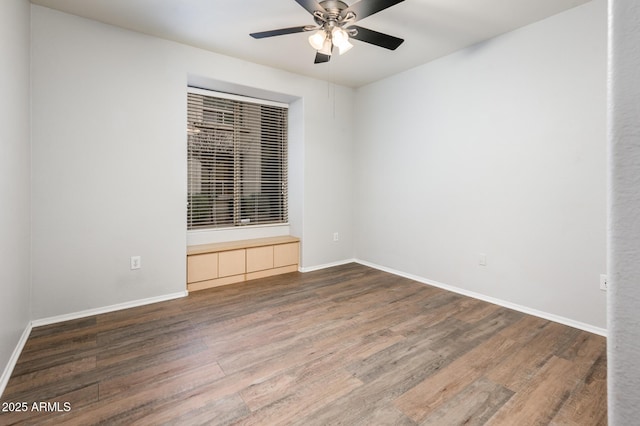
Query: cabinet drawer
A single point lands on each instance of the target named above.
(231, 263)
(285, 254)
(202, 267)
(259, 258)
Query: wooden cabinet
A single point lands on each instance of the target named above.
(286, 254)
(202, 267)
(259, 258)
(231, 262)
(212, 265)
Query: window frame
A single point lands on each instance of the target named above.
(237, 222)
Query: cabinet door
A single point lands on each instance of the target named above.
(202, 267)
(259, 258)
(285, 254)
(231, 263)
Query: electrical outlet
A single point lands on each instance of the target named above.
(336, 236)
(482, 259)
(604, 282)
(136, 262)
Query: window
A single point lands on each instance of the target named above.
(237, 161)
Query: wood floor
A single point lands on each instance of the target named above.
(347, 345)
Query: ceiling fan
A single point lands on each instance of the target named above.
(334, 26)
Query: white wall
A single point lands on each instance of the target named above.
(15, 171)
(109, 161)
(497, 149)
(503, 144)
(328, 177)
(624, 217)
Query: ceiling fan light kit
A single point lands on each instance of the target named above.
(327, 47)
(316, 40)
(340, 39)
(334, 26)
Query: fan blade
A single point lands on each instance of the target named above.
(321, 58)
(364, 8)
(281, 31)
(374, 37)
(311, 6)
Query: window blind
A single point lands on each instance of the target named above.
(237, 162)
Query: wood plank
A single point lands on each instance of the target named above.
(199, 409)
(476, 310)
(587, 405)
(362, 404)
(474, 405)
(303, 400)
(343, 345)
(131, 405)
(539, 402)
(434, 391)
(158, 372)
(76, 399)
(241, 244)
(49, 375)
(520, 367)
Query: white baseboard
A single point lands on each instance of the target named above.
(326, 265)
(105, 309)
(6, 374)
(524, 309)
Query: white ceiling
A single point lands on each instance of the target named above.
(431, 29)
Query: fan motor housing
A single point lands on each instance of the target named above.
(333, 8)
